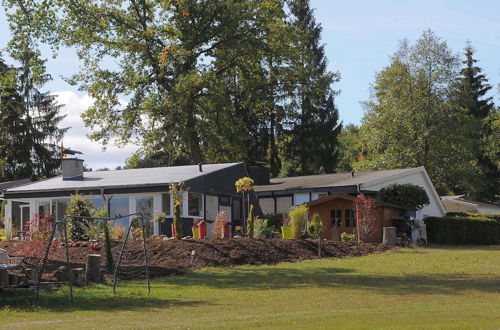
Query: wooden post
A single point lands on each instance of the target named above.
(389, 237)
(93, 268)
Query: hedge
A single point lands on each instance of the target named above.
(462, 230)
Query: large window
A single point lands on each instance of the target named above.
(195, 204)
(300, 198)
(43, 208)
(144, 205)
(350, 218)
(237, 208)
(61, 205)
(336, 218)
(165, 204)
(98, 203)
(118, 206)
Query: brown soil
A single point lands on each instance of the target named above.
(174, 256)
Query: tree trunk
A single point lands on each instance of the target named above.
(93, 268)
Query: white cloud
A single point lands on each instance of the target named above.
(76, 137)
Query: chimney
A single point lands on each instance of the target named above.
(72, 169)
(352, 174)
(200, 167)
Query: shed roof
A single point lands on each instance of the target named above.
(328, 180)
(123, 178)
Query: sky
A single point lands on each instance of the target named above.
(359, 37)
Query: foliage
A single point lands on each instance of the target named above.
(244, 184)
(405, 195)
(315, 226)
(29, 120)
(78, 205)
(118, 232)
(250, 222)
(298, 216)
(176, 191)
(275, 220)
(39, 230)
(2, 211)
(219, 225)
(365, 217)
(159, 217)
(216, 81)
(350, 150)
(412, 119)
(462, 230)
(345, 237)
(3, 235)
(262, 229)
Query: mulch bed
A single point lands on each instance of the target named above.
(173, 256)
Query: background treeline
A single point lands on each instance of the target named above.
(232, 80)
(429, 107)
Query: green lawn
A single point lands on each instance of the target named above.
(410, 288)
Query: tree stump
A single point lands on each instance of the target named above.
(32, 275)
(389, 236)
(93, 268)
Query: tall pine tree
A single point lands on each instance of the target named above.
(471, 93)
(315, 128)
(29, 121)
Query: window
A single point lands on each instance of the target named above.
(194, 204)
(43, 208)
(165, 204)
(144, 205)
(350, 218)
(283, 204)
(300, 198)
(318, 195)
(98, 203)
(267, 205)
(118, 206)
(237, 209)
(336, 218)
(61, 205)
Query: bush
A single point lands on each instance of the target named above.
(262, 229)
(405, 195)
(462, 230)
(79, 206)
(250, 223)
(345, 237)
(315, 226)
(297, 219)
(274, 220)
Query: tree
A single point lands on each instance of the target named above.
(350, 149)
(313, 137)
(411, 119)
(315, 230)
(30, 120)
(406, 195)
(471, 89)
(80, 206)
(173, 62)
(365, 217)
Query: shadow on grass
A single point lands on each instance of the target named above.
(96, 299)
(285, 278)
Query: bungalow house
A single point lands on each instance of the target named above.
(282, 193)
(338, 214)
(210, 189)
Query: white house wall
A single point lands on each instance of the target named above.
(417, 178)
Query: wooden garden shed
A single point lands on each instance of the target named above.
(338, 214)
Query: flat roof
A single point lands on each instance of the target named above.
(123, 178)
(327, 180)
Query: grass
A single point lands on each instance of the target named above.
(423, 288)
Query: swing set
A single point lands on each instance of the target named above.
(63, 223)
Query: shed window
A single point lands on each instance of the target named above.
(194, 204)
(350, 218)
(336, 218)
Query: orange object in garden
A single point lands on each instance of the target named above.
(227, 230)
(173, 229)
(202, 227)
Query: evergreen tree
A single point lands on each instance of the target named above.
(315, 127)
(30, 122)
(471, 90)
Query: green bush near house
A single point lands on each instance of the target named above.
(462, 230)
(297, 218)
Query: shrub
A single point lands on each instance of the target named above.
(3, 235)
(274, 220)
(118, 232)
(405, 195)
(365, 217)
(297, 218)
(79, 206)
(345, 237)
(39, 232)
(220, 222)
(315, 226)
(250, 223)
(462, 230)
(262, 229)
